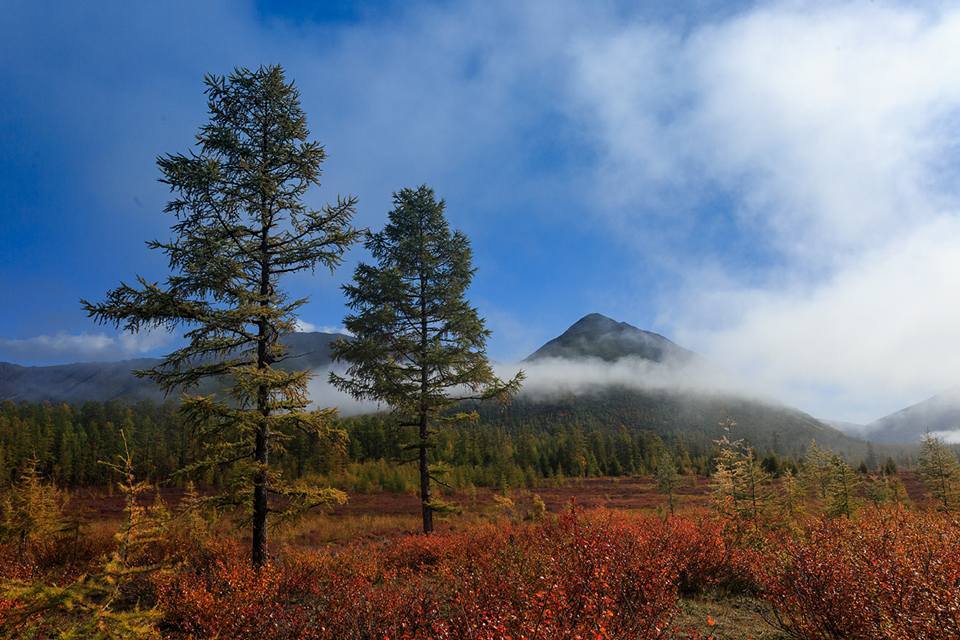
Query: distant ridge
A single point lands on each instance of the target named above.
(102, 381)
(597, 336)
(940, 413)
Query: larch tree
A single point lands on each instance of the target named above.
(418, 345)
(668, 480)
(940, 472)
(843, 488)
(791, 499)
(742, 489)
(241, 226)
(817, 468)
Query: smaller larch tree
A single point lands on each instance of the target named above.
(742, 489)
(104, 604)
(884, 489)
(817, 465)
(843, 488)
(418, 345)
(667, 479)
(791, 499)
(940, 472)
(32, 509)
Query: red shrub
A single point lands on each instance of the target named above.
(888, 575)
(603, 576)
(704, 557)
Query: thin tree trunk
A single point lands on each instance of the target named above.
(425, 477)
(943, 481)
(424, 421)
(260, 489)
(261, 448)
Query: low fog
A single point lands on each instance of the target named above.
(549, 378)
(950, 437)
(324, 394)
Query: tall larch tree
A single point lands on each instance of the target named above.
(241, 226)
(418, 345)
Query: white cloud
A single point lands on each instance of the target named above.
(324, 394)
(549, 377)
(876, 334)
(950, 437)
(64, 348)
(826, 124)
(307, 327)
(829, 132)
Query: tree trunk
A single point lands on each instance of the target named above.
(425, 477)
(260, 490)
(261, 447)
(424, 415)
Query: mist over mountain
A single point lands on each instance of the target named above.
(939, 415)
(850, 428)
(598, 374)
(695, 417)
(604, 374)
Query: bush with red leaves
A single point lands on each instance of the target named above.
(598, 576)
(886, 575)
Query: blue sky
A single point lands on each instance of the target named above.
(770, 184)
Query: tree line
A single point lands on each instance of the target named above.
(69, 442)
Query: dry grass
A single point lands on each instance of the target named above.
(382, 515)
(725, 617)
(322, 529)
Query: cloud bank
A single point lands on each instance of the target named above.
(308, 327)
(823, 139)
(324, 394)
(550, 378)
(545, 378)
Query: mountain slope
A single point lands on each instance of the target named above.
(639, 403)
(115, 381)
(597, 336)
(77, 382)
(939, 413)
(693, 417)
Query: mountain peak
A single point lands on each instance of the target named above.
(596, 321)
(597, 336)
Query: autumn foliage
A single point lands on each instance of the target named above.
(890, 573)
(887, 575)
(601, 575)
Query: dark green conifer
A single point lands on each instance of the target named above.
(241, 226)
(418, 345)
